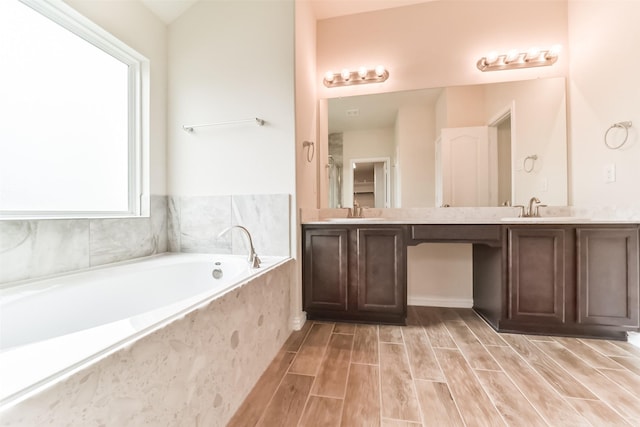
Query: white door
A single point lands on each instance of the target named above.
(468, 166)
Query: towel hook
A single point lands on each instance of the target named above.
(311, 149)
(621, 125)
(533, 159)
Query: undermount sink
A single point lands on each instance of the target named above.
(354, 219)
(557, 219)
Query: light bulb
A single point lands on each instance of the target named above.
(329, 76)
(491, 57)
(345, 74)
(512, 55)
(554, 51)
(532, 53)
(379, 70)
(362, 72)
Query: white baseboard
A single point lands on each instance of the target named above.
(441, 302)
(298, 321)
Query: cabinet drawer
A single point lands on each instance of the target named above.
(457, 232)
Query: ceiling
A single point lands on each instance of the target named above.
(169, 10)
(374, 111)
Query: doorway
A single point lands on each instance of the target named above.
(370, 178)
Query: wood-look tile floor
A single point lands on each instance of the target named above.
(446, 368)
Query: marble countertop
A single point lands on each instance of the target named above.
(501, 215)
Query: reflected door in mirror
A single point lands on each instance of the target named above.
(468, 166)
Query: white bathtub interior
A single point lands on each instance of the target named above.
(51, 328)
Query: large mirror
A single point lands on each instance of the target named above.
(479, 145)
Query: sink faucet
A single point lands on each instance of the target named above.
(531, 210)
(356, 212)
(531, 202)
(254, 261)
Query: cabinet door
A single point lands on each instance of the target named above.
(325, 269)
(380, 270)
(538, 279)
(608, 276)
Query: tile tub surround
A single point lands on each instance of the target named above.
(195, 371)
(31, 249)
(195, 221)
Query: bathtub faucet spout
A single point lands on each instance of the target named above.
(254, 261)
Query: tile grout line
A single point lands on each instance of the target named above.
(444, 376)
(586, 361)
(583, 384)
(315, 376)
(413, 377)
(264, 411)
(509, 377)
(563, 397)
(379, 373)
(585, 342)
(346, 386)
(473, 371)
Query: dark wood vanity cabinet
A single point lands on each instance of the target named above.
(325, 263)
(556, 279)
(569, 280)
(355, 273)
(539, 275)
(607, 277)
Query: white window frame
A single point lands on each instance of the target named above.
(138, 108)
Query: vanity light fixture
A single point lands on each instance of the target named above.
(533, 57)
(361, 75)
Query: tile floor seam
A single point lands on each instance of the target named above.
(585, 360)
(413, 377)
(275, 390)
(446, 381)
(315, 377)
(473, 370)
(535, 408)
(346, 386)
(579, 382)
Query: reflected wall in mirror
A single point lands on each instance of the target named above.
(477, 145)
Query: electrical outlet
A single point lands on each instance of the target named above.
(544, 185)
(610, 173)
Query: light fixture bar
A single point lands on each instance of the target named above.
(513, 59)
(360, 76)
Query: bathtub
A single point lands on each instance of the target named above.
(51, 328)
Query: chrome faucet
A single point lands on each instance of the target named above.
(254, 261)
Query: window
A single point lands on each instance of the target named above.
(71, 137)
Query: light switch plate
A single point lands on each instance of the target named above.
(610, 173)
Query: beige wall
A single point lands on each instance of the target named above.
(536, 102)
(415, 145)
(306, 124)
(232, 61)
(136, 26)
(306, 107)
(604, 88)
(437, 43)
